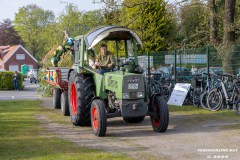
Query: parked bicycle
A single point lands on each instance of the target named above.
(225, 93)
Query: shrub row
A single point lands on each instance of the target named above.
(6, 80)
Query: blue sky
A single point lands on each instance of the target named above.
(8, 8)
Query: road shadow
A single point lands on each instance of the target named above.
(177, 124)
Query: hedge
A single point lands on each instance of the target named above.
(6, 80)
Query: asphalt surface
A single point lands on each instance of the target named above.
(29, 92)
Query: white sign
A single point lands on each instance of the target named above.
(179, 94)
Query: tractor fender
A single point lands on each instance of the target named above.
(96, 98)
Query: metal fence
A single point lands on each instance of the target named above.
(181, 65)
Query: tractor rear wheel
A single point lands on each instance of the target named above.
(160, 116)
(134, 119)
(98, 118)
(80, 93)
(64, 103)
(57, 98)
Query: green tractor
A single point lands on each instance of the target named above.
(121, 92)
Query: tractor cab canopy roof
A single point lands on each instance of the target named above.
(110, 33)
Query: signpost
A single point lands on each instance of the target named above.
(179, 94)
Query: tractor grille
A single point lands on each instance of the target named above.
(112, 83)
(133, 94)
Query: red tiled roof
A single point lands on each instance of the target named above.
(11, 49)
(3, 48)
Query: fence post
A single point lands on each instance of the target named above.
(148, 72)
(175, 66)
(117, 53)
(208, 59)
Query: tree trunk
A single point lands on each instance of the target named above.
(213, 22)
(228, 36)
(228, 22)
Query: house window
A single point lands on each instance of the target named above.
(20, 56)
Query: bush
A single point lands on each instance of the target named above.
(44, 88)
(24, 76)
(6, 81)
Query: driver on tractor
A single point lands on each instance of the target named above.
(105, 61)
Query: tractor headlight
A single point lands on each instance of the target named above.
(140, 94)
(126, 95)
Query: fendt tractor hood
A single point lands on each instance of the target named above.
(110, 33)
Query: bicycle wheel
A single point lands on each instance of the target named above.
(203, 100)
(214, 100)
(189, 97)
(237, 107)
(153, 89)
(196, 97)
(234, 100)
(158, 86)
(166, 91)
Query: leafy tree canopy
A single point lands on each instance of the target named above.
(8, 35)
(150, 20)
(32, 24)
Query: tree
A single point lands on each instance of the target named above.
(224, 44)
(79, 23)
(69, 20)
(237, 22)
(32, 24)
(112, 11)
(91, 20)
(150, 20)
(194, 23)
(8, 35)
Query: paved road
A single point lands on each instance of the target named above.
(29, 92)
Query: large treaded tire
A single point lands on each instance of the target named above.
(160, 117)
(134, 119)
(80, 93)
(64, 104)
(57, 98)
(98, 118)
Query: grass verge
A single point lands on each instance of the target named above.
(23, 137)
(197, 115)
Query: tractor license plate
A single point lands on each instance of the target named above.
(133, 86)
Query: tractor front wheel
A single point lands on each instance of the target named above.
(98, 118)
(160, 114)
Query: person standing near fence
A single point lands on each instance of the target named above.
(194, 70)
(15, 80)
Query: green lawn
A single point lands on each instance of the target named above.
(23, 137)
(197, 115)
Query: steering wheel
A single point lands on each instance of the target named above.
(132, 67)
